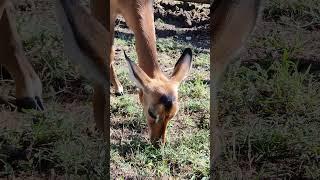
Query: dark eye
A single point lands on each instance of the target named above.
(167, 101)
(151, 114)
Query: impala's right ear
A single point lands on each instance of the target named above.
(183, 66)
(140, 78)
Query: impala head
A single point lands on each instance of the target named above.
(159, 95)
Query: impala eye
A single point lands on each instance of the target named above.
(151, 114)
(167, 101)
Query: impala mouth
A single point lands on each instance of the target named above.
(153, 117)
(151, 114)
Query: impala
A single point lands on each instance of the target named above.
(158, 94)
(232, 22)
(88, 41)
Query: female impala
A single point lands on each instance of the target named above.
(89, 43)
(158, 94)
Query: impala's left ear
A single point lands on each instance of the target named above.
(183, 66)
(136, 74)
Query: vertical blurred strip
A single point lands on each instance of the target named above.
(213, 95)
(86, 42)
(231, 22)
(103, 16)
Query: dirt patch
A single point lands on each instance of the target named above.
(270, 40)
(185, 15)
(185, 22)
(291, 27)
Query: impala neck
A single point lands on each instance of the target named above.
(145, 36)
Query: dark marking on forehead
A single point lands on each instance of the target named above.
(167, 101)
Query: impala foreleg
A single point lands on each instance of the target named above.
(28, 84)
(113, 76)
(98, 9)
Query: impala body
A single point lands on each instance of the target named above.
(158, 94)
(88, 42)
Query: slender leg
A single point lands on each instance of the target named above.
(113, 75)
(100, 14)
(99, 101)
(28, 84)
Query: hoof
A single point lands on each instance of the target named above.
(29, 103)
(119, 93)
(119, 90)
(39, 103)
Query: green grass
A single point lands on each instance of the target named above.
(58, 142)
(186, 153)
(63, 142)
(270, 116)
(300, 13)
(173, 159)
(269, 110)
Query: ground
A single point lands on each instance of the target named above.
(187, 153)
(61, 142)
(269, 105)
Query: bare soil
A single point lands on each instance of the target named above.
(304, 39)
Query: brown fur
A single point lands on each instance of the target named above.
(88, 41)
(12, 57)
(152, 82)
(159, 95)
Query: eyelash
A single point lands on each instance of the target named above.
(151, 114)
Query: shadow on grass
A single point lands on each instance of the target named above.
(135, 125)
(200, 36)
(136, 144)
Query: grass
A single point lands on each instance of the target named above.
(303, 14)
(186, 153)
(173, 159)
(269, 110)
(52, 142)
(63, 142)
(270, 119)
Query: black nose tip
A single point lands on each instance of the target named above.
(167, 101)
